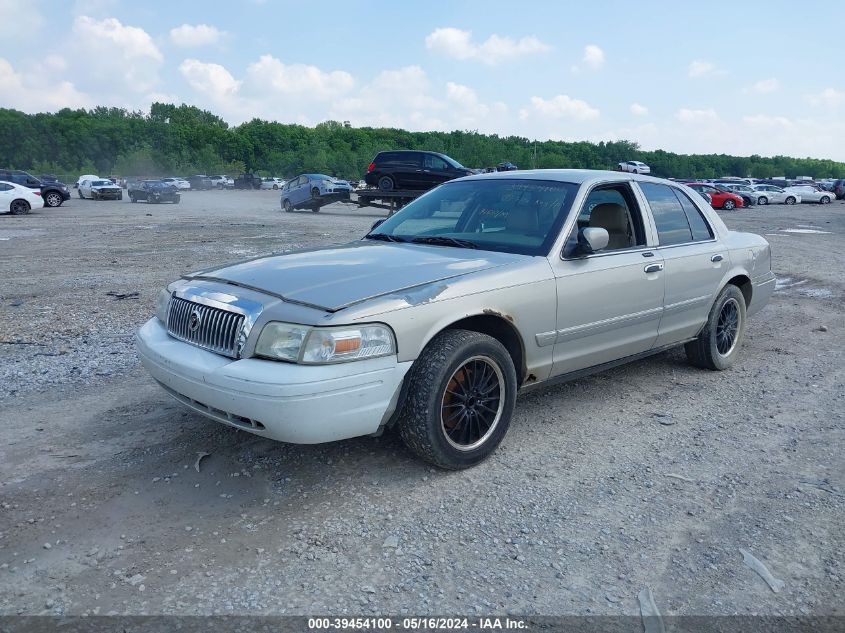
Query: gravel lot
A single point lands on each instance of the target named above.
(651, 475)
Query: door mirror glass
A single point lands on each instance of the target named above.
(590, 240)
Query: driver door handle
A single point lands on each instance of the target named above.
(654, 268)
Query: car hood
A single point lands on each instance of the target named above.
(331, 279)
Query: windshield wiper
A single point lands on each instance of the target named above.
(384, 237)
(442, 240)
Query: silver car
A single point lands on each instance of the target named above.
(436, 319)
(770, 194)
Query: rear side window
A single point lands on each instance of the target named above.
(672, 224)
(698, 225)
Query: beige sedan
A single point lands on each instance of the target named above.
(436, 319)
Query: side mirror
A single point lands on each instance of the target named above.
(590, 240)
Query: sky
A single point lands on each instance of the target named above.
(748, 77)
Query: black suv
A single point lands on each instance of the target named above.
(52, 192)
(410, 169)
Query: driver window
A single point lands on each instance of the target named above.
(433, 162)
(611, 208)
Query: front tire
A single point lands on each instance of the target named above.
(53, 199)
(717, 347)
(729, 205)
(824, 200)
(762, 201)
(790, 200)
(275, 187)
(132, 198)
(287, 206)
(461, 396)
(79, 193)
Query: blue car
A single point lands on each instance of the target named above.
(312, 191)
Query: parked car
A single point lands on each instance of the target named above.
(731, 180)
(18, 199)
(100, 190)
(770, 194)
(411, 169)
(748, 195)
(306, 189)
(634, 167)
(85, 177)
(154, 191)
(839, 188)
(811, 193)
(497, 283)
(53, 192)
(506, 166)
(222, 182)
(272, 183)
(248, 181)
(200, 182)
(180, 183)
(719, 199)
(342, 186)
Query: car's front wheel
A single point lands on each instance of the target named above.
(762, 200)
(729, 205)
(53, 199)
(275, 187)
(461, 396)
(790, 200)
(79, 193)
(287, 206)
(717, 346)
(824, 200)
(315, 192)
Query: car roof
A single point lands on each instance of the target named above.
(575, 176)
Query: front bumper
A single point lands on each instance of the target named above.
(301, 404)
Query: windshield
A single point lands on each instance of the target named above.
(101, 183)
(507, 215)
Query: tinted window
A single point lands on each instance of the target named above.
(434, 162)
(5, 187)
(513, 216)
(669, 216)
(699, 226)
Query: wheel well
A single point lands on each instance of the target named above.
(744, 284)
(501, 329)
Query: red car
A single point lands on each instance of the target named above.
(718, 199)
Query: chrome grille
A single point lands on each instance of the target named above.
(212, 328)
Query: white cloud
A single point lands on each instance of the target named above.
(26, 92)
(458, 44)
(827, 97)
(593, 56)
(687, 115)
(112, 59)
(703, 69)
(560, 107)
(211, 79)
(638, 110)
(309, 82)
(765, 86)
(189, 35)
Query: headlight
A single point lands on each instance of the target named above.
(303, 344)
(162, 303)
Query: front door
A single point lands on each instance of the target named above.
(608, 303)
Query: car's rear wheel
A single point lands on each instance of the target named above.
(53, 199)
(717, 346)
(461, 396)
(824, 200)
(19, 207)
(790, 200)
(287, 206)
(762, 200)
(729, 205)
(385, 183)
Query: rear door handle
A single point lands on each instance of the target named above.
(716, 258)
(653, 268)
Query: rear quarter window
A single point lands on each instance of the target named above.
(669, 216)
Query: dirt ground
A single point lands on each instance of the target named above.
(651, 475)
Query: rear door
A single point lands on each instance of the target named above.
(608, 303)
(695, 262)
(406, 170)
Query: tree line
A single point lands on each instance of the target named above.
(185, 140)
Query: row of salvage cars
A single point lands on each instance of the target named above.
(732, 195)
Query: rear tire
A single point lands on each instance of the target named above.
(79, 193)
(385, 183)
(461, 396)
(718, 344)
(132, 198)
(19, 207)
(762, 201)
(275, 187)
